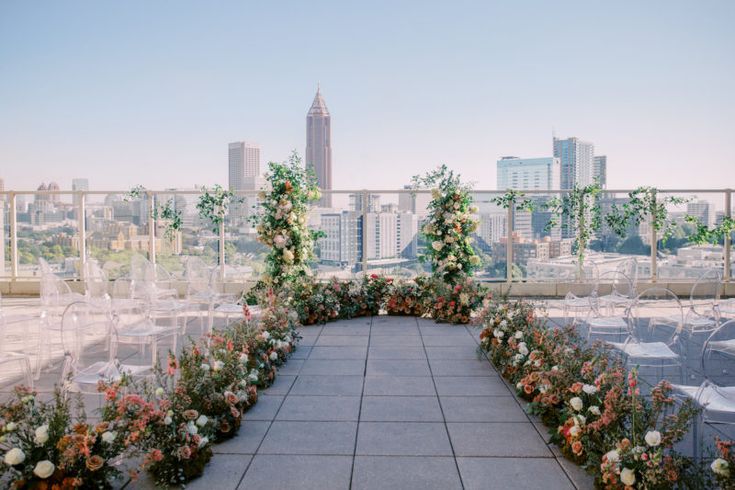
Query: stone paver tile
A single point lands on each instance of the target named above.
(328, 385)
(384, 367)
(502, 439)
(342, 340)
(482, 409)
(461, 367)
(399, 386)
(339, 329)
(326, 367)
(224, 472)
(394, 320)
(339, 352)
(395, 340)
(442, 340)
(247, 439)
(403, 439)
(578, 476)
(471, 386)
(325, 408)
(327, 438)
(394, 330)
(301, 352)
(401, 409)
(266, 407)
(292, 367)
(302, 472)
(405, 472)
(396, 352)
(280, 386)
(444, 329)
(453, 353)
(503, 473)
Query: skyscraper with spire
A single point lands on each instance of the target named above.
(319, 145)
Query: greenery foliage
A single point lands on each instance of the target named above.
(644, 203)
(213, 205)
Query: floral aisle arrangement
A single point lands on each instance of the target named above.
(44, 448)
(449, 225)
(283, 221)
(453, 302)
(593, 407)
(407, 298)
(722, 466)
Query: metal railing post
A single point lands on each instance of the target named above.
(13, 236)
(222, 248)
(728, 240)
(509, 246)
(365, 200)
(151, 227)
(654, 246)
(82, 236)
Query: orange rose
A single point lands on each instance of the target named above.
(94, 463)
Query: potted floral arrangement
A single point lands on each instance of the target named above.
(407, 298)
(453, 302)
(43, 448)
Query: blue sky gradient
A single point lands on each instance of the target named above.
(142, 92)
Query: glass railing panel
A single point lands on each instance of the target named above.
(244, 254)
(491, 237)
(5, 266)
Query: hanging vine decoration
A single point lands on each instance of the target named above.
(643, 203)
(705, 235)
(213, 205)
(516, 199)
(581, 207)
(165, 212)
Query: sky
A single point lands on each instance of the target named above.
(151, 93)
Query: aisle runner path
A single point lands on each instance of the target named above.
(388, 402)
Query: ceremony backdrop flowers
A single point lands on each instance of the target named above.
(449, 225)
(282, 223)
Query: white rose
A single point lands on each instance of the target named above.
(205, 367)
(44, 469)
(653, 438)
(192, 429)
(499, 334)
(519, 335)
(288, 256)
(519, 386)
(437, 245)
(522, 348)
(202, 420)
(274, 356)
(167, 420)
(203, 441)
(612, 456)
(720, 467)
(594, 410)
(503, 324)
(218, 365)
(10, 427)
(41, 435)
(244, 358)
(574, 431)
(554, 368)
(576, 403)
(159, 392)
(253, 377)
(109, 437)
(265, 334)
(14, 456)
(627, 477)
(589, 389)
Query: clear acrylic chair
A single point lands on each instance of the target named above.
(15, 357)
(716, 395)
(584, 298)
(703, 314)
(152, 284)
(97, 284)
(622, 292)
(655, 323)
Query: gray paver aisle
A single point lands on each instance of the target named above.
(387, 402)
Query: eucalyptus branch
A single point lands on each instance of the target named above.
(516, 199)
(644, 203)
(214, 203)
(703, 234)
(166, 212)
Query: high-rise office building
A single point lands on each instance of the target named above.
(599, 169)
(319, 145)
(576, 159)
(528, 173)
(2, 188)
(701, 210)
(244, 165)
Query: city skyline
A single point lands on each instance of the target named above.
(141, 94)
